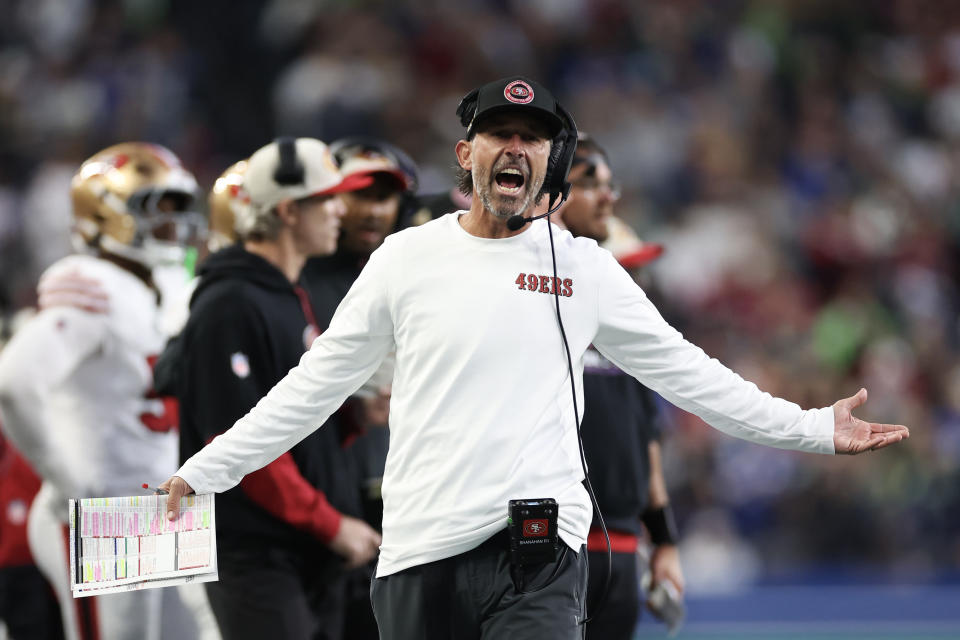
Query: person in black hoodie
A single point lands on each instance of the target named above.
(388, 204)
(285, 532)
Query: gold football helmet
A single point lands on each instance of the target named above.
(228, 202)
(136, 200)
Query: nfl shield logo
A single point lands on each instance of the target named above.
(240, 364)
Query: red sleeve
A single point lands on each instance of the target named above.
(18, 486)
(280, 490)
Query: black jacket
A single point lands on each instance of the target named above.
(248, 327)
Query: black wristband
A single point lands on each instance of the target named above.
(661, 525)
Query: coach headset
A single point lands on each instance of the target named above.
(555, 184)
(289, 170)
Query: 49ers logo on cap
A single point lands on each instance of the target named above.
(519, 92)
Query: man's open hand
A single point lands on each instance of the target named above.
(851, 435)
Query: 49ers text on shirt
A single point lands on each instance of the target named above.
(545, 284)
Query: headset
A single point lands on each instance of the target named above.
(289, 170)
(562, 149)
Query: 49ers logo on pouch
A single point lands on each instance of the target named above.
(519, 92)
(535, 528)
(545, 284)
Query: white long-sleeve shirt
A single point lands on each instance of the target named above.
(481, 411)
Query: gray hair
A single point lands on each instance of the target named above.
(464, 180)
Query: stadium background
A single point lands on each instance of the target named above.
(800, 160)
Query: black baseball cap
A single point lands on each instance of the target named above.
(514, 93)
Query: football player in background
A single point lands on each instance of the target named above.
(227, 203)
(76, 385)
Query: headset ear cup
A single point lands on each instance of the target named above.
(550, 182)
(564, 162)
(289, 168)
(565, 147)
(561, 159)
(468, 108)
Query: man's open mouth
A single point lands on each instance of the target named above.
(509, 181)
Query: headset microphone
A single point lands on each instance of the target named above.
(517, 221)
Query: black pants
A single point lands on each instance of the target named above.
(617, 618)
(476, 596)
(273, 594)
(27, 605)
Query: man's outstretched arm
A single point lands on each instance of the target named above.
(634, 336)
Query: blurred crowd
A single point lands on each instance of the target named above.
(799, 160)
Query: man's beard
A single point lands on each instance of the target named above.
(484, 186)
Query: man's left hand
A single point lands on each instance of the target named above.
(851, 435)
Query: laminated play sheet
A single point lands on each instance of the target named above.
(126, 543)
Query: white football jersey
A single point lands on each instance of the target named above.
(76, 389)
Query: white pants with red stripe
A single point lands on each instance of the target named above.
(133, 615)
